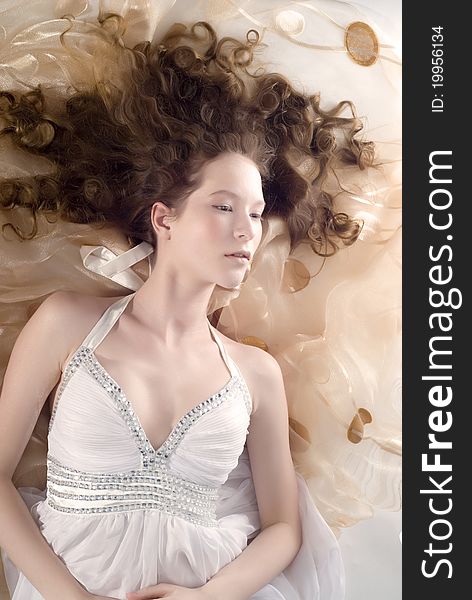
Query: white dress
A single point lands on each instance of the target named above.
(123, 515)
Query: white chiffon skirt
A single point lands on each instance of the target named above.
(114, 553)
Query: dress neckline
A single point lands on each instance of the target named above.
(98, 334)
(177, 430)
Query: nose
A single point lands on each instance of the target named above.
(244, 228)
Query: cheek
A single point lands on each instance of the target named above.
(216, 227)
(195, 229)
(204, 237)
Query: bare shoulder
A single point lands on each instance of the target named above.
(74, 315)
(257, 366)
(75, 308)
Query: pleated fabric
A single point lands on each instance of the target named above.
(94, 433)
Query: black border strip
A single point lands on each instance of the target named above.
(435, 265)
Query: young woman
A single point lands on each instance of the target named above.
(140, 441)
(155, 480)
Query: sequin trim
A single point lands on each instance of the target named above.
(81, 492)
(241, 384)
(150, 457)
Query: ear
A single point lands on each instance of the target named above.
(159, 217)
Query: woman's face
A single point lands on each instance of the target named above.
(221, 217)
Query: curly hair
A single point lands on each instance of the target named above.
(117, 149)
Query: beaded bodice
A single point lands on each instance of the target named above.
(100, 459)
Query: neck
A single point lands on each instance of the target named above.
(172, 312)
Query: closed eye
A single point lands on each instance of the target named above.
(225, 206)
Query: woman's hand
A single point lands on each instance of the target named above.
(169, 590)
(161, 590)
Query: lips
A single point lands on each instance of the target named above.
(241, 259)
(245, 254)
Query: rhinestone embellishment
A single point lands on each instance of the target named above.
(73, 491)
(151, 457)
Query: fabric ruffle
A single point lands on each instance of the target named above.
(336, 334)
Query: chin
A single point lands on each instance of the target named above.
(229, 285)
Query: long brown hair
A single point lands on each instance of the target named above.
(117, 149)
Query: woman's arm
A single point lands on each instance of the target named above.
(276, 490)
(33, 370)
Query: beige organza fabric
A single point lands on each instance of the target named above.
(334, 326)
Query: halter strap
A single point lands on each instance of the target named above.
(232, 366)
(106, 322)
(113, 313)
(104, 262)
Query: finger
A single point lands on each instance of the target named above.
(150, 592)
(143, 594)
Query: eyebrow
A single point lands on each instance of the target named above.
(234, 195)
